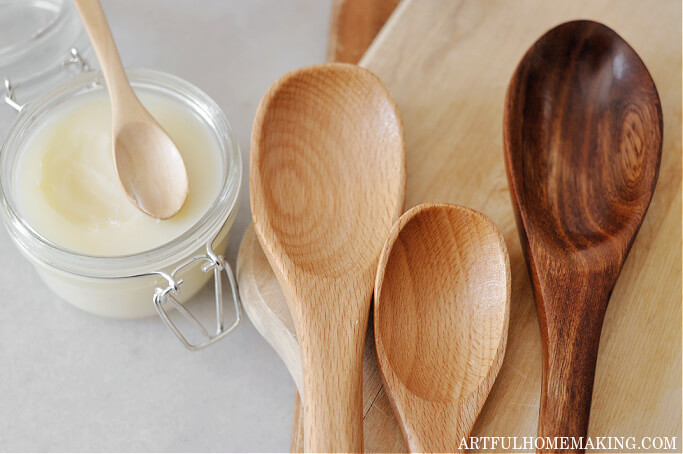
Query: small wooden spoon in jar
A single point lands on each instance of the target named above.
(148, 163)
(327, 182)
(583, 142)
(442, 305)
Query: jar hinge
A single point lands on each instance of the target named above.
(165, 299)
(10, 96)
(75, 58)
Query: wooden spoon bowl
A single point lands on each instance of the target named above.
(319, 129)
(327, 182)
(147, 161)
(442, 303)
(583, 140)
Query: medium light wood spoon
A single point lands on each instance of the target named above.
(148, 163)
(327, 182)
(442, 305)
(583, 141)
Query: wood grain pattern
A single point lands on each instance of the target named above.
(354, 25)
(147, 161)
(442, 303)
(583, 142)
(451, 95)
(327, 182)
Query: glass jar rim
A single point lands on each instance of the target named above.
(13, 50)
(131, 265)
(39, 61)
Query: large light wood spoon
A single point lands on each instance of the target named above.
(442, 305)
(327, 182)
(583, 141)
(148, 163)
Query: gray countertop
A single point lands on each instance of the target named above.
(70, 381)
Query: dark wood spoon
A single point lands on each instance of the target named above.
(583, 142)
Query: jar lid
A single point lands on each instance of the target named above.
(42, 44)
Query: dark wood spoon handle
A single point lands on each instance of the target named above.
(570, 351)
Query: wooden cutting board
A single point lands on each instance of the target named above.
(448, 64)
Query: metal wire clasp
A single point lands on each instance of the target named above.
(75, 58)
(10, 97)
(165, 298)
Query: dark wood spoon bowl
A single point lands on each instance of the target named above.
(583, 142)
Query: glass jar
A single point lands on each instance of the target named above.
(42, 44)
(156, 280)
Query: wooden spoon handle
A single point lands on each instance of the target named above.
(570, 351)
(332, 363)
(354, 25)
(95, 23)
(566, 394)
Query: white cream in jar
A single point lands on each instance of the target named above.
(69, 192)
(63, 207)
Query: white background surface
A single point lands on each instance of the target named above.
(70, 381)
